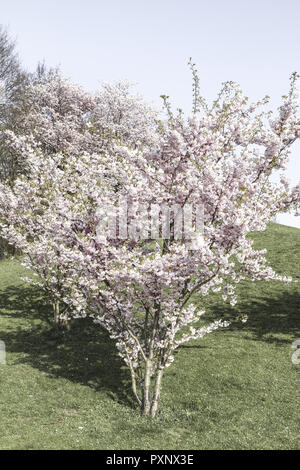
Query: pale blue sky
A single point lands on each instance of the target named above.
(255, 43)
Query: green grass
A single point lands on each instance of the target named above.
(235, 389)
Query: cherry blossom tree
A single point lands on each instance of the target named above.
(124, 115)
(96, 223)
(61, 118)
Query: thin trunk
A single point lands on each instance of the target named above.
(146, 404)
(56, 311)
(133, 382)
(154, 404)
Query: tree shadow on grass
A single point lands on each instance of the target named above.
(271, 319)
(25, 301)
(83, 354)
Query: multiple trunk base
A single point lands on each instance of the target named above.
(150, 397)
(149, 402)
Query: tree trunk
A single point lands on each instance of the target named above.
(146, 404)
(133, 382)
(154, 404)
(149, 407)
(56, 311)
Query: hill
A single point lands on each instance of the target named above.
(235, 389)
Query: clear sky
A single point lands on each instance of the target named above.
(255, 43)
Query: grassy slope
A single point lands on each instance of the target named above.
(235, 389)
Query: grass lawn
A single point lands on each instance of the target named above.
(234, 389)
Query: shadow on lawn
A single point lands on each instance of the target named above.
(83, 354)
(270, 319)
(25, 302)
